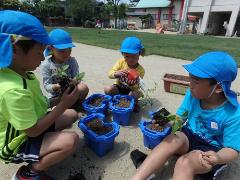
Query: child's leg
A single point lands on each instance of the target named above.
(83, 92)
(66, 119)
(56, 146)
(111, 90)
(189, 165)
(172, 144)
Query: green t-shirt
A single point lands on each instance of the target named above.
(21, 105)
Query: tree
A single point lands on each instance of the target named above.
(116, 10)
(81, 10)
(146, 19)
(11, 4)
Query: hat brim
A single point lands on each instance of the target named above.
(64, 46)
(195, 71)
(230, 95)
(129, 51)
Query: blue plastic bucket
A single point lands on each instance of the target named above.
(100, 144)
(121, 115)
(96, 109)
(152, 138)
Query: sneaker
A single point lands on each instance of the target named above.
(19, 175)
(137, 157)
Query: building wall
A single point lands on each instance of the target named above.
(211, 21)
(154, 12)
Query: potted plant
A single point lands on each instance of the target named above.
(64, 81)
(121, 107)
(161, 125)
(98, 135)
(97, 103)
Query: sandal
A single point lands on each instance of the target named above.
(137, 157)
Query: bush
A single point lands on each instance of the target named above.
(89, 24)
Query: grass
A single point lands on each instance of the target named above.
(186, 47)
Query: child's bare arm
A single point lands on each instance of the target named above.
(67, 101)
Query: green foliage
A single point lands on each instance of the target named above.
(178, 122)
(186, 47)
(61, 72)
(80, 76)
(146, 19)
(147, 99)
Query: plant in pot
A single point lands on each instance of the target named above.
(64, 81)
(121, 107)
(96, 103)
(161, 125)
(98, 135)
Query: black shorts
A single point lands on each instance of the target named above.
(124, 90)
(30, 149)
(197, 143)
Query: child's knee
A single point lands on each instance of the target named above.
(83, 88)
(183, 163)
(108, 90)
(71, 141)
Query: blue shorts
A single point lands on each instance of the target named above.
(197, 143)
(30, 149)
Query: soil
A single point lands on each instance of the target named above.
(123, 103)
(97, 126)
(78, 176)
(95, 102)
(178, 77)
(159, 120)
(65, 82)
(156, 127)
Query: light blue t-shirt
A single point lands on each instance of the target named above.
(219, 126)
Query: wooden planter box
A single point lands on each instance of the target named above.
(174, 83)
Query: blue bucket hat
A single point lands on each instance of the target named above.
(219, 66)
(22, 26)
(61, 40)
(131, 45)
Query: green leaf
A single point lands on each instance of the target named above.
(80, 76)
(64, 68)
(177, 125)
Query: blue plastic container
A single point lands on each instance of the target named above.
(152, 138)
(100, 144)
(99, 109)
(121, 115)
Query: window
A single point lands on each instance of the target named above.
(165, 16)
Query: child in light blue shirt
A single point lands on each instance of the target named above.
(211, 134)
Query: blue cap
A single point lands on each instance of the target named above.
(131, 45)
(219, 66)
(61, 39)
(18, 23)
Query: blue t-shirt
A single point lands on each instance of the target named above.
(219, 126)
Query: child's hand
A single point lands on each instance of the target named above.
(205, 164)
(74, 81)
(68, 99)
(121, 73)
(132, 82)
(211, 157)
(56, 88)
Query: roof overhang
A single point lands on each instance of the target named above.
(152, 4)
